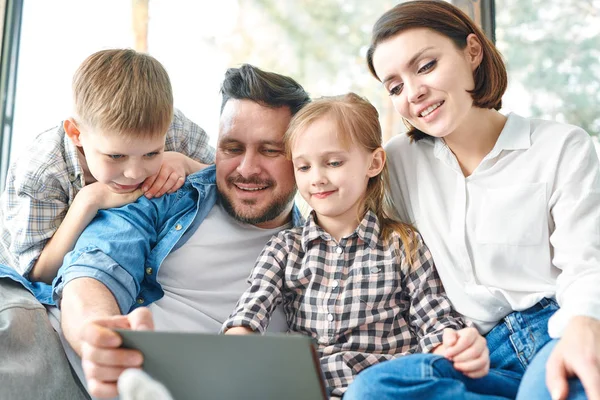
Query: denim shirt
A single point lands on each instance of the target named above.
(123, 248)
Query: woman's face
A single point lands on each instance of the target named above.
(428, 77)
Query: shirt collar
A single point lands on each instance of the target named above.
(368, 230)
(72, 158)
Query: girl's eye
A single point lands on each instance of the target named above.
(303, 168)
(335, 164)
(115, 156)
(396, 90)
(427, 66)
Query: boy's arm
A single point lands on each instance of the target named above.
(254, 309)
(86, 204)
(430, 309)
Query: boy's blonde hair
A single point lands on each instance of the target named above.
(357, 123)
(124, 92)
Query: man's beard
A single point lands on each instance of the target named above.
(274, 210)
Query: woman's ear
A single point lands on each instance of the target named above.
(474, 51)
(72, 131)
(377, 162)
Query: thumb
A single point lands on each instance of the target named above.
(141, 319)
(556, 379)
(450, 337)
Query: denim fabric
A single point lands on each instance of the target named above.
(124, 247)
(513, 345)
(533, 385)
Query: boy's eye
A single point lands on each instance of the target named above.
(396, 90)
(335, 164)
(427, 66)
(153, 154)
(115, 156)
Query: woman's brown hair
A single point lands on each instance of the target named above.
(448, 20)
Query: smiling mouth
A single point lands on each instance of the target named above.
(251, 189)
(430, 109)
(322, 195)
(126, 187)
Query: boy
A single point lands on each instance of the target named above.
(124, 139)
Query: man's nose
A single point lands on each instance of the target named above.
(249, 164)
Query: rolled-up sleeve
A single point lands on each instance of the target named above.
(575, 239)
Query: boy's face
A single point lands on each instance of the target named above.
(254, 178)
(120, 162)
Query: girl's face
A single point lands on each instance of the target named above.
(428, 77)
(331, 178)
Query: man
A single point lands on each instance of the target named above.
(187, 255)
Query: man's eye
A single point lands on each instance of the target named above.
(396, 90)
(233, 150)
(272, 152)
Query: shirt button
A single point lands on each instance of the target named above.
(339, 250)
(140, 300)
(374, 270)
(329, 317)
(149, 271)
(334, 284)
(178, 227)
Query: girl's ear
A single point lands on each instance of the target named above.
(377, 162)
(474, 51)
(72, 131)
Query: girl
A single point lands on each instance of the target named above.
(361, 284)
(509, 206)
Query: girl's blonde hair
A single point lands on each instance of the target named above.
(357, 123)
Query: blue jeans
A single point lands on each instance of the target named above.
(519, 343)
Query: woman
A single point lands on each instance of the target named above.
(509, 206)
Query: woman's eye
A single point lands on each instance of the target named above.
(396, 90)
(427, 66)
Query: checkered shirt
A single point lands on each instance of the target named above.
(359, 298)
(43, 181)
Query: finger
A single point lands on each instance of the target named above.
(466, 337)
(169, 184)
(449, 337)
(588, 372)
(478, 348)
(101, 372)
(141, 319)
(158, 183)
(149, 182)
(102, 389)
(119, 357)
(478, 367)
(99, 333)
(556, 377)
(177, 185)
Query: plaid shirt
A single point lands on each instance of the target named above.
(44, 180)
(358, 298)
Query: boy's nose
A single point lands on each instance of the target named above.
(134, 172)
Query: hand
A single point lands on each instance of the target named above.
(102, 197)
(174, 169)
(135, 384)
(576, 354)
(102, 359)
(239, 330)
(467, 349)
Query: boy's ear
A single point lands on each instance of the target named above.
(72, 131)
(377, 162)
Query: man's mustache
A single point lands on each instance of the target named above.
(253, 180)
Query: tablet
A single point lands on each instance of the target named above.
(208, 366)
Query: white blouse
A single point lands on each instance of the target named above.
(523, 226)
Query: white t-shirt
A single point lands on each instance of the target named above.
(523, 226)
(204, 278)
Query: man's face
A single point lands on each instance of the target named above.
(254, 178)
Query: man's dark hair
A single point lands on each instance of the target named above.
(268, 88)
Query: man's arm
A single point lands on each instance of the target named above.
(89, 315)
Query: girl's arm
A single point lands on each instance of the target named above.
(254, 309)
